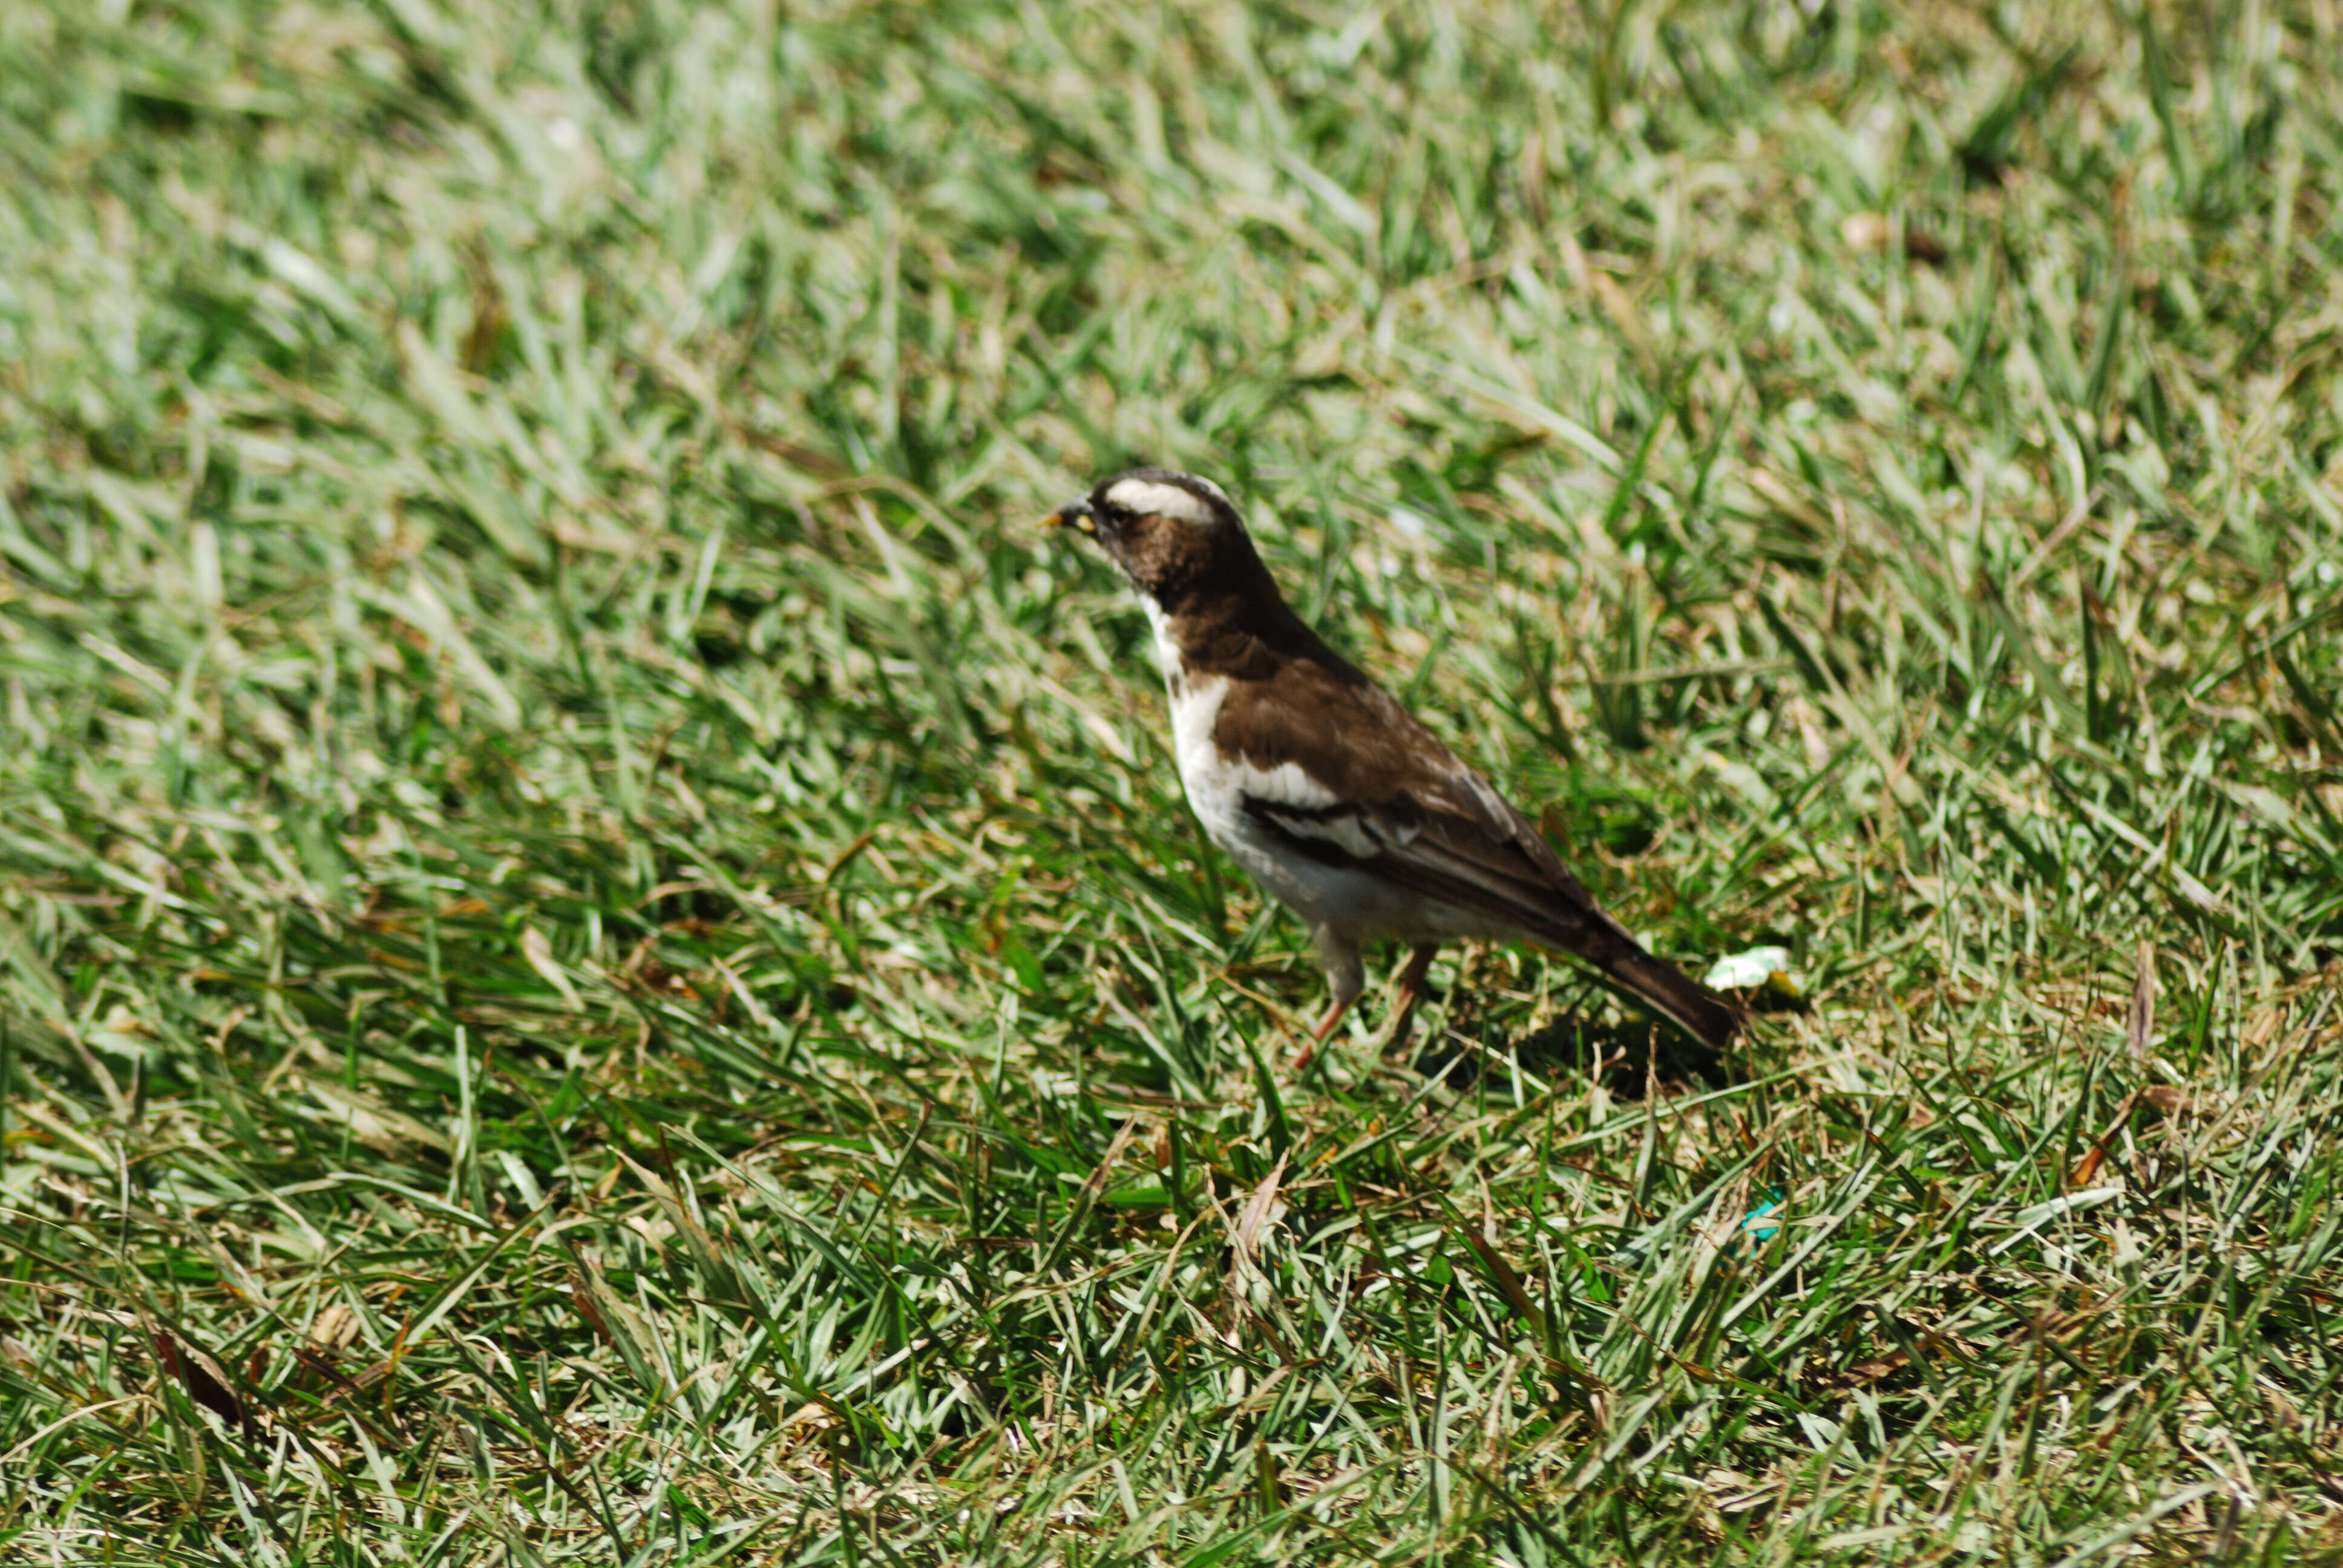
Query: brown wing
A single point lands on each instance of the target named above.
(1407, 810)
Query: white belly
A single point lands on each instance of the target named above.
(1351, 904)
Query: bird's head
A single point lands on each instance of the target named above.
(1170, 533)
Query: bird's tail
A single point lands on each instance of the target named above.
(1690, 1006)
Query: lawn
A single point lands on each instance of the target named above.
(601, 958)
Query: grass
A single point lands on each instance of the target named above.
(604, 961)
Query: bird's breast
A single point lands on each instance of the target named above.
(1220, 783)
(1219, 780)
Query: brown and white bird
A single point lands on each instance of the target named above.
(1328, 793)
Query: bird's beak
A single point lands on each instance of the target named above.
(1074, 514)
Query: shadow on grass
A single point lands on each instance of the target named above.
(1624, 1056)
(1627, 1056)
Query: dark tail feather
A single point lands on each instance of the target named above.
(1676, 996)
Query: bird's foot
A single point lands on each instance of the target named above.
(1409, 992)
(1325, 1027)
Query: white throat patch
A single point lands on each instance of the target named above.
(1167, 647)
(1149, 498)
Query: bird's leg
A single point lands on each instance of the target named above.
(1409, 992)
(1326, 1026)
(1345, 973)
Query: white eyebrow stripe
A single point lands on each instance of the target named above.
(1147, 498)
